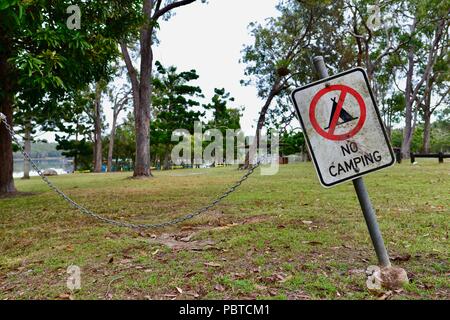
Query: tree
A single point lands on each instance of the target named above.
(437, 84)
(282, 47)
(173, 102)
(120, 101)
(224, 117)
(152, 12)
(374, 42)
(40, 55)
(97, 116)
(125, 143)
(426, 14)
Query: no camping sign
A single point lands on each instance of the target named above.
(343, 128)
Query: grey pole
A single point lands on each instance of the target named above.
(363, 196)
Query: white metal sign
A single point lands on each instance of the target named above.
(343, 127)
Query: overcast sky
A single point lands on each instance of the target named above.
(209, 38)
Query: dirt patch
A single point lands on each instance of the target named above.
(174, 242)
(183, 240)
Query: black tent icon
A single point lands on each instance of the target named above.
(344, 115)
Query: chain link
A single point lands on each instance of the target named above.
(121, 223)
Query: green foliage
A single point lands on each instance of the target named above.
(223, 116)
(291, 143)
(80, 150)
(173, 102)
(125, 140)
(48, 62)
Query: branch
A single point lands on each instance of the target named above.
(441, 100)
(131, 70)
(173, 5)
(300, 39)
(158, 5)
(431, 57)
(388, 52)
(396, 84)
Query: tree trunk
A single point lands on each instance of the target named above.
(166, 160)
(98, 130)
(6, 107)
(111, 143)
(6, 152)
(142, 160)
(276, 88)
(27, 148)
(427, 112)
(407, 131)
(142, 114)
(426, 133)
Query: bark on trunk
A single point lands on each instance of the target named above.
(27, 148)
(426, 133)
(142, 160)
(6, 107)
(407, 131)
(262, 118)
(111, 144)
(166, 160)
(427, 112)
(142, 114)
(98, 131)
(6, 152)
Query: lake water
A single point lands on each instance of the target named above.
(60, 165)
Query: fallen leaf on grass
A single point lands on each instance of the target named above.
(273, 292)
(219, 287)
(212, 264)
(179, 290)
(260, 287)
(404, 257)
(193, 294)
(65, 296)
(385, 296)
(283, 280)
(172, 243)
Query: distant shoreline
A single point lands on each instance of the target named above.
(46, 159)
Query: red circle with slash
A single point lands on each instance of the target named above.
(330, 133)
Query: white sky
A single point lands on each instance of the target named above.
(209, 38)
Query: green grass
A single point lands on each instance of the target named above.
(262, 248)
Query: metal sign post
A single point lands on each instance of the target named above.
(363, 196)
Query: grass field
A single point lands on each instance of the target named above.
(277, 237)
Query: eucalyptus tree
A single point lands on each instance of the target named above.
(428, 26)
(280, 56)
(437, 86)
(151, 13)
(120, 100)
